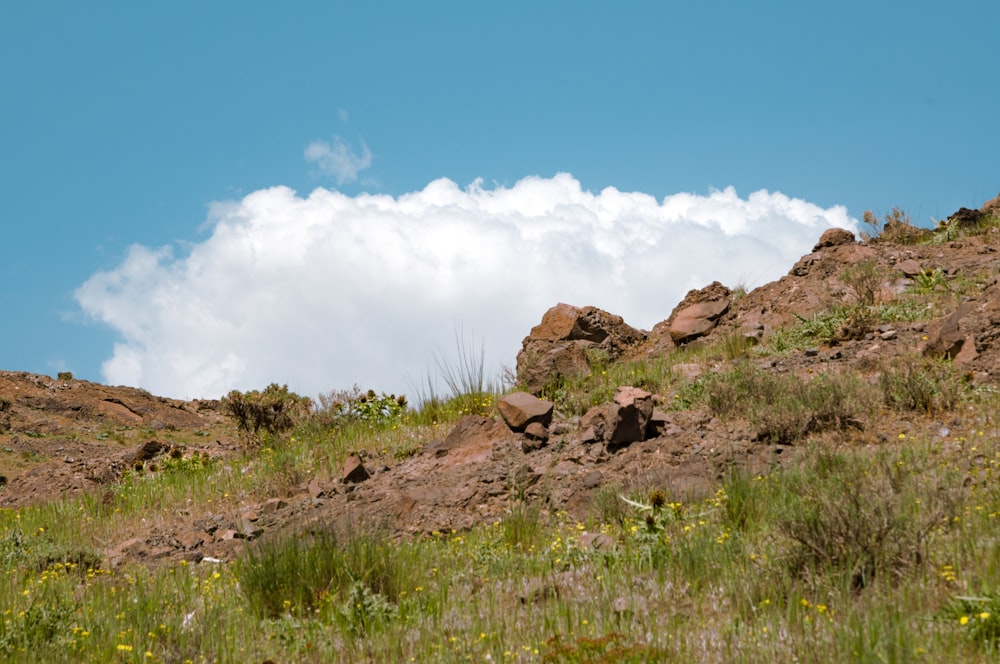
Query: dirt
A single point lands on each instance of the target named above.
(60, 438)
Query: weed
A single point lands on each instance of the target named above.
(920, 384)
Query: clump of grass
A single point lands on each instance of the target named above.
(304, 575)
(865, 518)
(783, 408)
(922, 384)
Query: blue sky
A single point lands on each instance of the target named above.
(123, 124)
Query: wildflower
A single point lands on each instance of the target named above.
(984, 615)
(964, 620)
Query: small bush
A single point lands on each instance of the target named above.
(65, 375)
(346, 407)
(895, 226)
(303, 575)
(865, 519)
(865, 281)
(275, 410)
(918, 384)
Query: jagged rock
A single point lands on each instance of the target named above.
(562, 343)
(354, 470)
(520, 409)
(148, 451)
(833, 237)
(635, 407)
(621, 422)
(698, 313)
(966, 218)
(945, 338)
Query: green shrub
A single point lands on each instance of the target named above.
(919, 384)
(275, 410)
(342, 408)
(865, 518)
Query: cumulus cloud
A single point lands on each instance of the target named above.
(329, 290)
(336, 159)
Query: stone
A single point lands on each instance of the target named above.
(520, 409)
(833, 237)
(354, 470)
(635, 407)
(563, 344)
(536, 431)
(147, 451)
(910, 268)
(698, 313)
(620, 423)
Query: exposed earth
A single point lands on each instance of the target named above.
(61, 437)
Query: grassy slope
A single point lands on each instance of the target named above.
(848, 553)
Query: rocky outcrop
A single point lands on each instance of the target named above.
(697, 314)
(834, 237)
(567, 340)
(621, 422)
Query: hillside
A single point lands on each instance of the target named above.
(864, 348)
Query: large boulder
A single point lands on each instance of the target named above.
(568, 340)
(834, 237)
(698, 313)
(621, 422)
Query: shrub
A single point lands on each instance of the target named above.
(346, 407)
(275, 410)
(896, 226)
(920, 384)
(865, 518)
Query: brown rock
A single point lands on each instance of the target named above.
(537, 431)
(354, 470)
(833, 237)
(561, 344)
(635, 407)
(521, 409)
(147, 451)
(597, 541)
(992, 206)
(909, 268)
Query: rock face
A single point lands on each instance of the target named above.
(698, 313)
(567, 339)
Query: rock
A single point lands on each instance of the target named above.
(991, 207)
(354, 470)
(147, 451)
(966, 218)
(597, 541)
(536, 431)
(910, 268)
(619, 423)
(566, 339)
(833, 237)
(520, 409)
(945, 338)
(658, 423)
(698, 313)
(635, 407)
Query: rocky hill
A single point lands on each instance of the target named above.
(850, 307)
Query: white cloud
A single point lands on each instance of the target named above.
(337, 160)
(330, 290)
